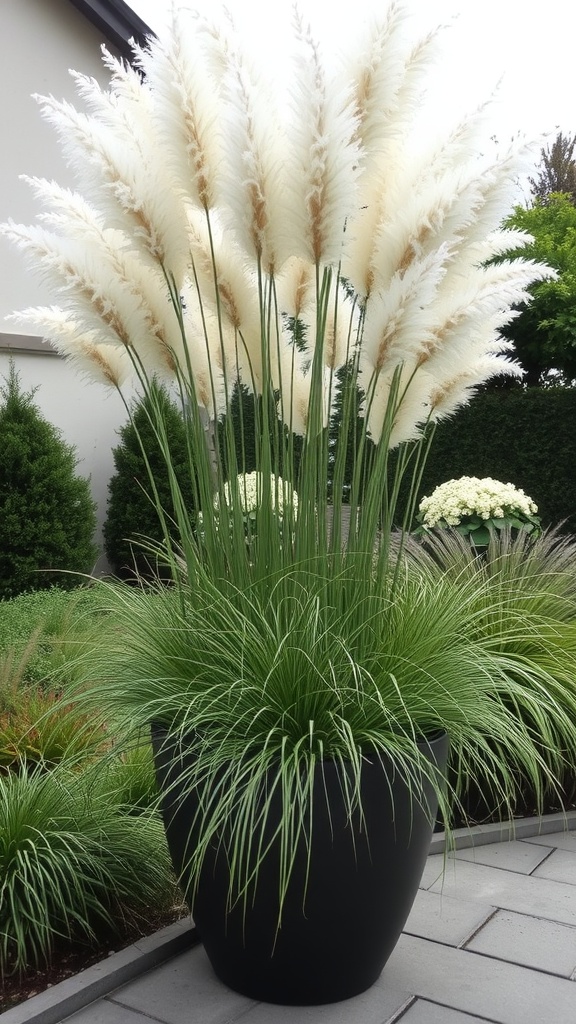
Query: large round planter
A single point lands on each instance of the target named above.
(346, 903)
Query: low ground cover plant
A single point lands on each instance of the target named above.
(33, 631)
(476, 508)
(38, 632)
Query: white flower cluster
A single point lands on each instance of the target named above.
(453, 501)
(250, 489)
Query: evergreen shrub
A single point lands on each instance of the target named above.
(132, 516)
(525, 436)
(47, 515)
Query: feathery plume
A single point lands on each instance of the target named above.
(322, 160)
(221, 238)
(185, 112)
(106, 363)
(376, 72)
(123, 174)
(253, 184)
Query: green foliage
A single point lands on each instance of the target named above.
(534, 625)
(312, 667)
(38, 635)
(557, 170)
(33, 632)
(544, 334)
(135, 778)
(81, 848)
(132, 514)
(72, 862)
(526, 437)
(37, 728)
(47, 515)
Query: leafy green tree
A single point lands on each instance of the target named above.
(47, 515)
(132, 516)
(544, 334)
(556, 171)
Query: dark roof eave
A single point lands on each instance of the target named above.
(117, 21)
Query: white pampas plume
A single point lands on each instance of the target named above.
(200, 354)
(186, 112)
(469, 317)
(122, 172)
(295, 287)
(398, 325)
(496, 244)
(253, 187)
(403, 392)
(451, 393)
(322, 157)
(494, 193)
(294, 407)
(376, 72)
(106, 288)
(107, 364)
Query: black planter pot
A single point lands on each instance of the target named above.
(362, 880)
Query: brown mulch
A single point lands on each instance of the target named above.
(67, 961)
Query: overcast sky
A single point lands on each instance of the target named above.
(529, 45)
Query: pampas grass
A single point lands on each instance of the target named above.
(308, 249)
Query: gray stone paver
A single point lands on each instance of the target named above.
(526, 894)
(105, 1012)
(424, 1012)
(522, 857)
(480, 985)
(445, 919)
(376, 1006)
(183, 991)
(560, 866)
(520, 939)
(557, 840)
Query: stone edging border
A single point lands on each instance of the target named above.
(501, 832)
(60, 1001)
(53, 1005)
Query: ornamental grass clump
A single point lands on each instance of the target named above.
(74, 865)
(306, 246)
(523, 608)
(476, 508)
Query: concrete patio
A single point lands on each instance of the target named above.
(491, 938)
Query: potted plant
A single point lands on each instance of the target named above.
(477, 508)
(301, 684)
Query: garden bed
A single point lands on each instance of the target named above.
(68, 961)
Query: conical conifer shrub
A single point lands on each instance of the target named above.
(47, 515)
(133, 518)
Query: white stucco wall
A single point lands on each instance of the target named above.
(41, 40)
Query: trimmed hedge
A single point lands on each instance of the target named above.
(525, 436)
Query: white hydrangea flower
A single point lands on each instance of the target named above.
(454, 501)
(250, 489)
